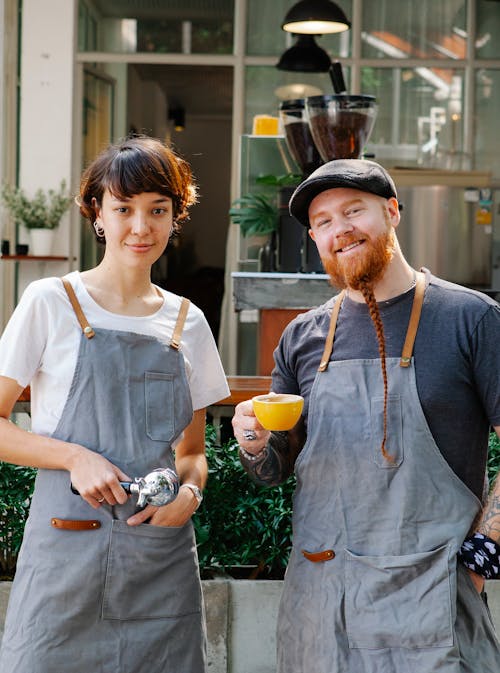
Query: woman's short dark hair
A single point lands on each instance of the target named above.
(133, 166)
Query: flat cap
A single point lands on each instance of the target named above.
(367, 176)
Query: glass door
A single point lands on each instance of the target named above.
(97, 126)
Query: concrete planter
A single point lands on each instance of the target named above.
(241, 622)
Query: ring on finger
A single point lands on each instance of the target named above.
(100, 499)
(249, 435)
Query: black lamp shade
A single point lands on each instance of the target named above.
(305, 56)
(315, 17)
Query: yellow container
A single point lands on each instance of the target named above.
(265, 125)
(278, 412)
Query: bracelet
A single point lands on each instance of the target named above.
(481, 554)
(252, 457)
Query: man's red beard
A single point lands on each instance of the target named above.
(364, 268)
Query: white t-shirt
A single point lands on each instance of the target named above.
(41, 341)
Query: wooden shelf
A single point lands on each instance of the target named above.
(241, 387)
(34, 258)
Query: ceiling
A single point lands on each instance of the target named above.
(201, 91)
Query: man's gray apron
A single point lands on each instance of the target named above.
(112, 599)
(372, 584)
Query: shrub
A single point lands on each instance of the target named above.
(16, 488)
(493, 456)
(241, 523)
(238, 524)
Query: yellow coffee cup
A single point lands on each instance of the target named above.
(278, 412)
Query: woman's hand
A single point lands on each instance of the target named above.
(176, 513)
(191, 466)
(248, 432)
(96, 479)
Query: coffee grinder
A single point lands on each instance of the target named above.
(338, 127)
(294, 252)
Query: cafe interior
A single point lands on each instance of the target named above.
(256, 95)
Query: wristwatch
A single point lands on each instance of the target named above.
(196, 492)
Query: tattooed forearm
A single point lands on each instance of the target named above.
(490, 520)
(273, 465)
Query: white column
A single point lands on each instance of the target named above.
(8, 143)
(49, 43)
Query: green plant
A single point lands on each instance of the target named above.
(241, 523)
(255, 213)
(43, 211)
(493, 456)
(258, 214)
(16, 488)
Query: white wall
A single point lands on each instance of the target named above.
(46, 119)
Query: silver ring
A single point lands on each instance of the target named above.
(249, 435)
(100, 500)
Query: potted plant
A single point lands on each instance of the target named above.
(258, 214)
(40, 214)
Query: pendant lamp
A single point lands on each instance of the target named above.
(305, 56)
(315, 17)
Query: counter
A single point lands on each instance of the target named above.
(278, 297)
(255, 290)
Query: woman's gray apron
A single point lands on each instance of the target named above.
(112, 599)
(378, 589)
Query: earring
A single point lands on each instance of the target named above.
(99, 230)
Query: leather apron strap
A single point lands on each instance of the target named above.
(416, 310)
(325, 359)
(86, 328)
(411, 332)
(175, 342)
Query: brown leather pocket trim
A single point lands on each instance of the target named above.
(75, 524)
(319, 556)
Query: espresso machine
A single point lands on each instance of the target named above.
(318, 129)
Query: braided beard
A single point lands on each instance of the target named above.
(363, 269)
(360, 272)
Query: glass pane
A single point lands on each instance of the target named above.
(98, 96)
(177, 26)
(420, 120)
(266, 38)
(266, 86)
(205, 37)
(87, 29)
(425, 29)
(486, 127)
(487, 29)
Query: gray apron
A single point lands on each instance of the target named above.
(372, 584)
(112, 598)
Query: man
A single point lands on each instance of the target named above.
(401, 379)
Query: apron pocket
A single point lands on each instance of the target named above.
(398, 601)
(159, 390)
(394, 440)
(152, 573)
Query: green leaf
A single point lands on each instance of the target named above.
(255, 214)
(43, 211)
(248, 524)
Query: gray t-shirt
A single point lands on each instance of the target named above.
(457, 363)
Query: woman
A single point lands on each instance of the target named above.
(121, 372)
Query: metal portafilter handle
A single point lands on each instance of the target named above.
(337, 78)
(157, 488)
